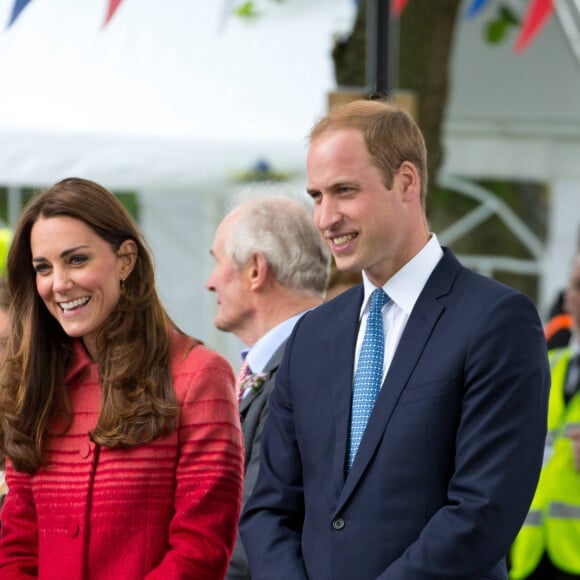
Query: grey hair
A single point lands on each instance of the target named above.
(281, 228)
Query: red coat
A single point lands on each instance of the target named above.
(166, 510)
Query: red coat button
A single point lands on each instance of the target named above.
(85, 450)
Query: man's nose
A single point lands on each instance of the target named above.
(327, 214)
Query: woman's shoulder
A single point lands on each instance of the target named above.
(192, 361)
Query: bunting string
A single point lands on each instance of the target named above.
(19, 6)
(537, 15)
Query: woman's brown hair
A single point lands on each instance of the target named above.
(138, 398)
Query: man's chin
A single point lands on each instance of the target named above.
(346, 265)
(221, 325)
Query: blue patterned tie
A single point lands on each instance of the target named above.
(369, 373)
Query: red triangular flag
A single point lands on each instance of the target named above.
(113, 5)
(538, 13)
(397, 6)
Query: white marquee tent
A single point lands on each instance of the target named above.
(172, 99)
(518, 117)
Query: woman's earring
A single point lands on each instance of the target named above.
(123, 288)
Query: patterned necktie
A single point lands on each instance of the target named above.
(244, 373)
(369, 373)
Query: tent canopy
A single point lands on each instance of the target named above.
(166, 95)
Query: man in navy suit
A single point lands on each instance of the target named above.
(448, 463)
(271, 266)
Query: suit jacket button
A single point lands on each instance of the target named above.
(338, 524)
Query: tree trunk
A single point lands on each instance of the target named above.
(425, 44)
(426, 37)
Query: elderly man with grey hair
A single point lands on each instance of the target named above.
(271, 266)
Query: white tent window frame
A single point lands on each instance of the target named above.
(489, 205)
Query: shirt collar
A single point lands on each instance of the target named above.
(263, 350)
(404, 287)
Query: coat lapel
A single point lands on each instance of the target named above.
(419, 327)
(269, 369)
(342, 346)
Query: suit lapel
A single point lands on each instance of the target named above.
(249, 398)
(342, 347)
(269, 369)
(419, 327)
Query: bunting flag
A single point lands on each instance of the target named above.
(18, 7)
(397, 7)
(475, 7)
(113, 5)
(538, 13)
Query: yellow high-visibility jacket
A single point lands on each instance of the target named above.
(553, 522)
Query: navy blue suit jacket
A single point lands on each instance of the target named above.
(450, 458)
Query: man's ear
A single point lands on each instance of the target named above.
(258, 270)
(409, 180)
(127, 254)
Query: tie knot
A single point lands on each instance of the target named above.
(378, 299)
(244, 372)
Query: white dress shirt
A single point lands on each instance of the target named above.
(403, 289)
(264, 348)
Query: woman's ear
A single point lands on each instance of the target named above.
(127, 254)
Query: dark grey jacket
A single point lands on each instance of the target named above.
(254, 409)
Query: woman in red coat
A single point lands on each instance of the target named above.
(122, 434)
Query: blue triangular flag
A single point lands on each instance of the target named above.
(18, 7)
(475, 7)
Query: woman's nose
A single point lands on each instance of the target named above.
(61, 280)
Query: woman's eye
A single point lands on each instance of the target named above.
(78, 259)
(41, 268)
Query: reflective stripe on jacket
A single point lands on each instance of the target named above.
(553, 522)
